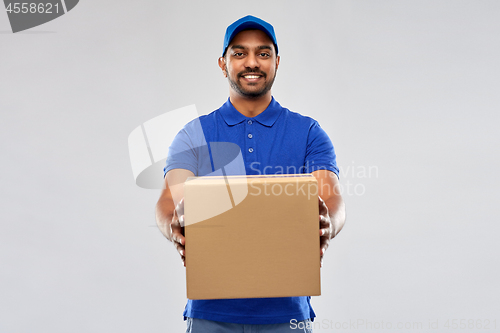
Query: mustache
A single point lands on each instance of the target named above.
(254, 71)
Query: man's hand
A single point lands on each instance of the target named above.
(331, 208)
(169, 216)
(177, 231)
(325, 228)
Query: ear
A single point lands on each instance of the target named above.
(277, 62)
(222, 65)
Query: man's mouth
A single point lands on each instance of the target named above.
(252, 76)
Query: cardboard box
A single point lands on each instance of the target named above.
(252, 236)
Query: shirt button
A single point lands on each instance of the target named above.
(250, 135)
(249, 122)
(250, 149)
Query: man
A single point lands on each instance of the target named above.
(272, 139)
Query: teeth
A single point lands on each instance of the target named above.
(251, 76)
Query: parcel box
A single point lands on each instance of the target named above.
(252, 236)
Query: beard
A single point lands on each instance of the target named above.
(250, 93)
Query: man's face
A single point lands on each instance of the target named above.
(250, 63)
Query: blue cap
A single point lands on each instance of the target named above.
(248, 22)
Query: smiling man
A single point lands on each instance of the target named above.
(271, 139)
(253, 61)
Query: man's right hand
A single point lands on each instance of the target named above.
(177, 231)
(169, 216)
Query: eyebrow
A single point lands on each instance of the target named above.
(261, 47)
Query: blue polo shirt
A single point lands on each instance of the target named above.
(277, 141)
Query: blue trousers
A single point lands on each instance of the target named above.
(195, 325)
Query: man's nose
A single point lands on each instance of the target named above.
(251, 61)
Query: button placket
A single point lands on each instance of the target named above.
(250, 135)
(248, 148)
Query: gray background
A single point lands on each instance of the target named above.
(409, 88)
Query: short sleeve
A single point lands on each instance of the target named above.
(188, 150)
(320, 154)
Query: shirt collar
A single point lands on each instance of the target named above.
(267, 118)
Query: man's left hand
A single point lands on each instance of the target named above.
(325, 228)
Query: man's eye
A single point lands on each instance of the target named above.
(264, 54)
(238, 54)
